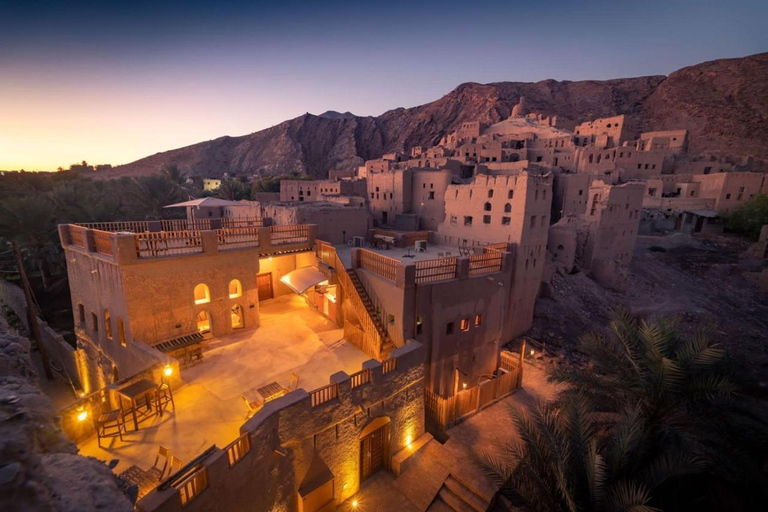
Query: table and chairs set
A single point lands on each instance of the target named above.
(268, 393)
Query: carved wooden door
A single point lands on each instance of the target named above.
(264, 282)
(372, 453)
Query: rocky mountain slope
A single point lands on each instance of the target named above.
(724, 104)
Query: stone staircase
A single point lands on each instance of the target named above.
(387, 344)
(457, 496)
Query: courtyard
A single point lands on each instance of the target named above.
(292, 338)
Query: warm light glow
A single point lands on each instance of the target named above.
(408, 440)
(354, 503)
(533, 351)
(235, 289)
(82, 415)
(168, 371)
(202, 294)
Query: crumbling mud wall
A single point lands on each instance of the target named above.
(39, 468)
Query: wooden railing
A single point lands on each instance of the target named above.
(501, 246)
(192, 484)
(324, 394)
(389, 365)
(486, 263)
(360, 378)
(77, 236)
(103, 242)
(280, 235)
(241, 222)
(167, 243)
(372, 343)
(130, 226)
(237, 238)
(185, 225)
(509, 360)
(238, 449)
(433, 271)
(378, 264)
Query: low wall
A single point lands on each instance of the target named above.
(281, 447)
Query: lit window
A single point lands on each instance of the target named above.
(465, 324)
(121, 331)
(202, 294)
(203, 321)
(478, 320)
(107, 324)
(235, 289)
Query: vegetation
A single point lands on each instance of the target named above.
(652, 422)
(749, 218)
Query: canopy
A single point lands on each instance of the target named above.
(302, 279)
(205, 202)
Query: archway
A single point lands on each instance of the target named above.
(374, 447)
(204, 321)
(236, 315)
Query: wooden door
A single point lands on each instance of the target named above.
(264, 282)
(372, 453)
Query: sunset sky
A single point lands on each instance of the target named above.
(111, 82)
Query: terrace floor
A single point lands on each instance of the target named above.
(292, 337)
(406, 255)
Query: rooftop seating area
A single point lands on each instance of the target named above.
(294, 346)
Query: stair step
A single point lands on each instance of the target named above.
(439, 506)
(453, 501)
(466, 494)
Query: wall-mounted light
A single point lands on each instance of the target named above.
(533, 351)
(82, 414)
(168, 371)
(464, 385)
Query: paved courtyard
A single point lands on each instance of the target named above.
(292, 338)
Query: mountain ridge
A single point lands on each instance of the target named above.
(723, 103)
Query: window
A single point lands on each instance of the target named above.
(486, 219)
(236, 316)
(487, 207)
(107, 324)
(467, 220)
(202, 294)
(533, 221)
(478, 320)
(464, 324)
(95, 322)
(431, 196)
(727, 196)
(490, 193)
(581, 192)
(651, 191)
(121, 331)
(510, 194)
(81, 314)
(235, 289)
(454, 219)
(449, 328)
(507, 208)
(505, 221)
(203, 321)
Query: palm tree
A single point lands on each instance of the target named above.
(565, 462)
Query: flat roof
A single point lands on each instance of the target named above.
(406, 255)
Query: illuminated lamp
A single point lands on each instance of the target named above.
(168, 371)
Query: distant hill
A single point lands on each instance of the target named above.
(723, 103)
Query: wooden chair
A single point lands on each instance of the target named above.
(176, 465)
(156, 471)
(110, 424)
(294, 385)
(253, 407)
(164, 396)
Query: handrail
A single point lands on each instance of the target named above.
(486, 263)
(360, 378)
(167, 243)
(324, 394)
(432, 271)
(380, 265)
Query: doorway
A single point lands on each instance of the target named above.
(384, 218)
(264, 283)
(236, 314)
(374, 444)
(203, 322)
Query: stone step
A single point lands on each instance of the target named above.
(439, 506)
(453, 501)
(466, 494)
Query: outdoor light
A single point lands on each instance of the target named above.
(168, 371)
(408, 440)
(354, 503)
(82, 414)
(533, 351)
(464, 385)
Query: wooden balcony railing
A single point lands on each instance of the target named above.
(238, 238)
(238, 449)
(103, 242)
(485, 263)
(433, 271)
(378, 264)
(360, 378)
(192, 484)
(281, 235)
(241, 222)
(129, 226)
(77, 236)
(324, 394)
(389, 365)
(167, 243)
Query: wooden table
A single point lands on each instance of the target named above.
(271, 391)
(133, 392)
(144, 480)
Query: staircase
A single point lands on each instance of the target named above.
(457, 496)
(386, 342)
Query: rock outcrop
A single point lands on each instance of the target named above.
(723, 103)
(39, 468)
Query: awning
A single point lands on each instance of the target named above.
(206, 202)
(302, 279)
(703, 213)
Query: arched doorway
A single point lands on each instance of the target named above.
(374, 447)
(203, 321)
(236, 315)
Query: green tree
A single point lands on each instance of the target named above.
(749, 218)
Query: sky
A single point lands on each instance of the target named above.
(112, 82)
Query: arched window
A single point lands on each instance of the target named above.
(235, 289)
(202, 294)
(107, 324)
(236, 314)
(121, 331)
(507, 208)
(487, 207)
(490, 193)
(203, 321)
